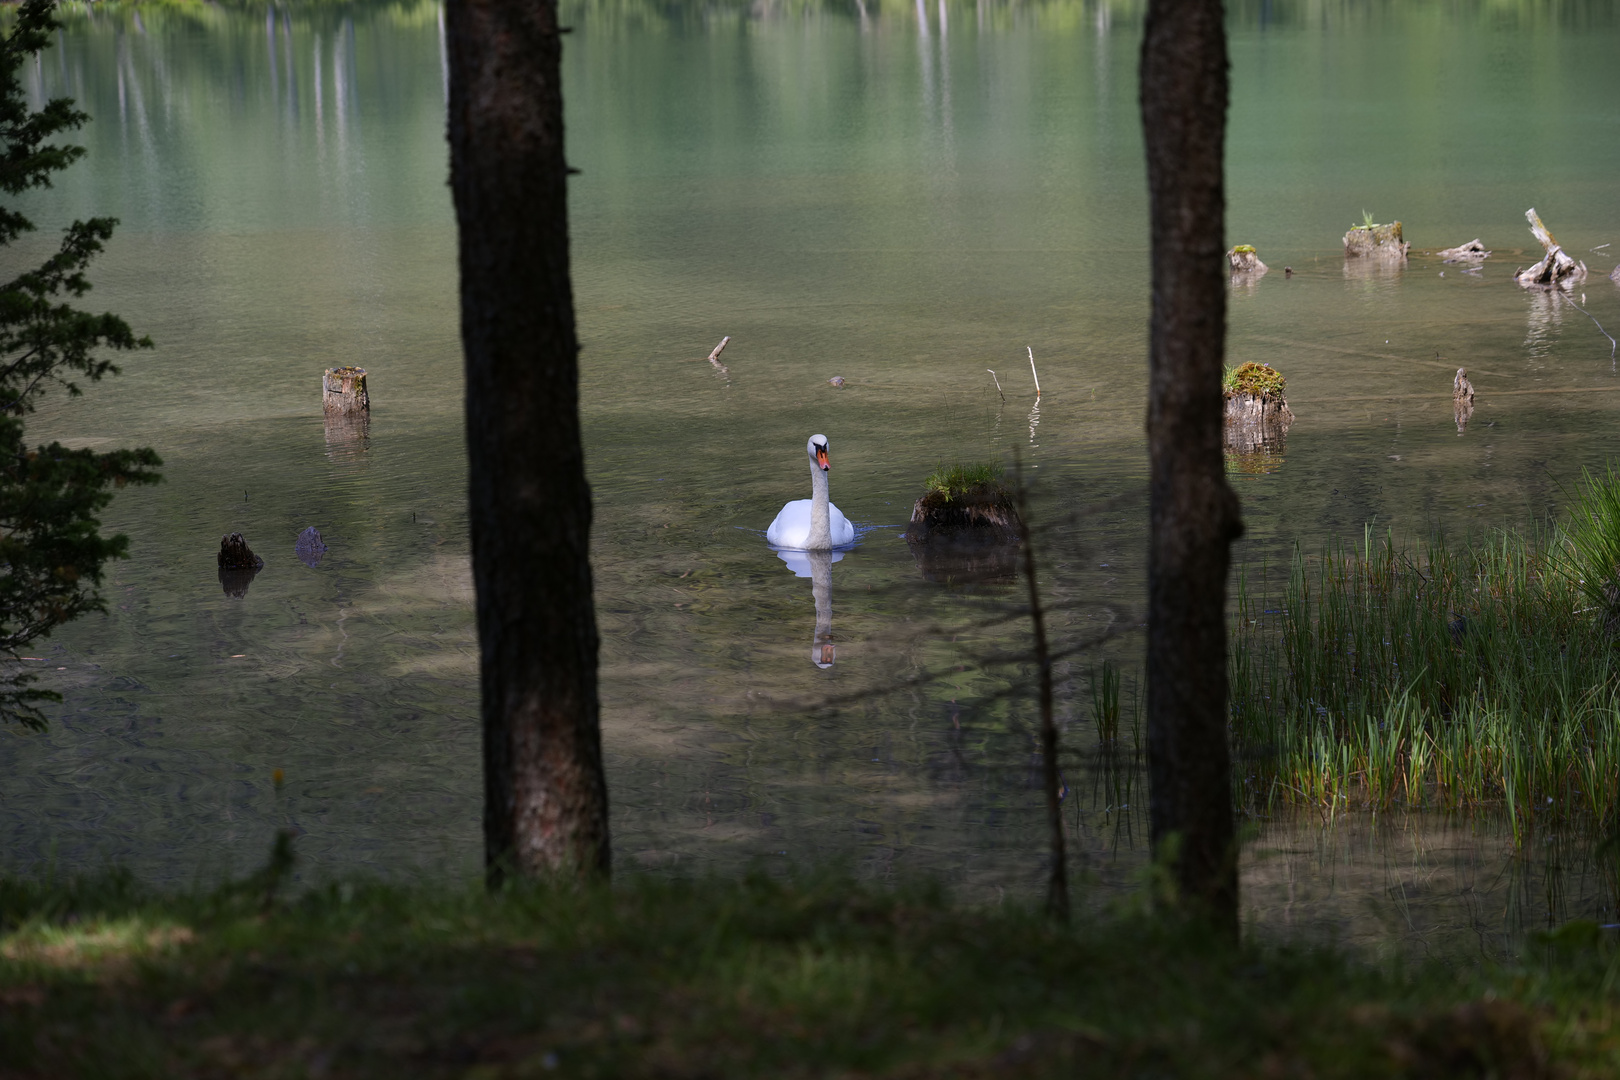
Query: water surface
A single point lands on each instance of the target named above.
(899, 195)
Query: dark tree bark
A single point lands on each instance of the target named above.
(1193, 511)
(545, 797)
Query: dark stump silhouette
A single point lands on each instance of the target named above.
(966, 537)
(237, 564)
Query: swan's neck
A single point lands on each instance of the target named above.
(820, 517)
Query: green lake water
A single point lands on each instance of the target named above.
(899, 194)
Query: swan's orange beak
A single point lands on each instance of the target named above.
(821, 458)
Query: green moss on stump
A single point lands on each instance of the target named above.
(1260, 380)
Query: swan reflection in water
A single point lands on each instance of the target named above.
(817, 566)
(806, 535)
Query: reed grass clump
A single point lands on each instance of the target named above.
(1442, 676)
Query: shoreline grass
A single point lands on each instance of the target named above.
(1445, 676)
(763, 977)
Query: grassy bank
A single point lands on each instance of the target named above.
(1442, 675)
(757, 978)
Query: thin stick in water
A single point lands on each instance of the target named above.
(998, 384)
(1033, 372)
(714, 357)
(1588, 314)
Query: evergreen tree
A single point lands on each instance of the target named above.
(51, 548)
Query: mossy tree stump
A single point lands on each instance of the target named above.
(1245, 261)
(1376, 242)
(237, 564)
(343, 393)
(966, 528)
(1257, 413)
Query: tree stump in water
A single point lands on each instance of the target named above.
(1473, 251)
(1462, 399)
(972, 535)
(310, 547)
(1556, 268)
(1257, 413)
(237, 564)
(1245, 262)
(1614, 275)
(343, 392)
(1376, 242)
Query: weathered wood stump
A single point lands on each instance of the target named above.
(1257, 413)
(967, 537)
(343, 392)
(1556, 268)
(1614, 275)
(237, 564)
(1473, 251)
(1376, 242)
(1462, 400)
(1245, 262)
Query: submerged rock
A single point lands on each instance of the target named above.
(310, 547)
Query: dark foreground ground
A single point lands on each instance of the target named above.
(756, 978)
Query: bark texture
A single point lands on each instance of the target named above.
(1194, 513)
(545, 797)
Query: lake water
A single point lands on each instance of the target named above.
(899, 194)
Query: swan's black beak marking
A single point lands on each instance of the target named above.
(821, 457)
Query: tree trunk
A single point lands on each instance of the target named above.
(545, 796)
(1193, 512)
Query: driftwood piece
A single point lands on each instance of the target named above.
(1376, 242)
(1556, 268)
(1473, 251)
(1614, 275)
(1245, 261)
(343, 392)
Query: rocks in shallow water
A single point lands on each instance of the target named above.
(1376, 242)
(1473, 251)
(310, 547)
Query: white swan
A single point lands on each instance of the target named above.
(812, 524)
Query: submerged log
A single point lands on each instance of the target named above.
(1473, 251)
(343, 392)
(1244, 260)
(1376, 242)
(1556, 268)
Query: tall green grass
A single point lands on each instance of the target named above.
(1440, 676)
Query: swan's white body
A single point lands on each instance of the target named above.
(812, 524)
